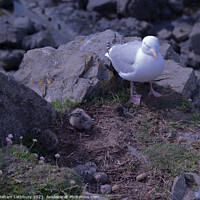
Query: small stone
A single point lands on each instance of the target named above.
(101, 177)
(142, 176)
(115, 188)
(181, 139)
(181, 32)
(105, 189)
(164, 34)
(179, 187)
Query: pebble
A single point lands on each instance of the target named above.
(101, 177)
(181, 139)
(106, 189)
(142, 176)
(115, 188)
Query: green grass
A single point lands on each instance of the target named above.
(146, 127)
(121, 95)
(62, 104)
(173, 158)
(22, 175)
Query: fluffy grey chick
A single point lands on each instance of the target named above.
(80, 120)
(48, 137)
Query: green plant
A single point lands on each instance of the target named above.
(112, 97)
(146, 133)
(22, 175)
(172, 157)
(62, 104)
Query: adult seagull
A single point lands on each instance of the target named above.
(139, 62)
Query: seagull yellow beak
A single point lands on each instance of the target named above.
(154, 54)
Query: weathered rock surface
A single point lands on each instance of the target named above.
(38, 40)
(76, 70)
(10, 59)
(195, 38)
(179, 188)
(21, 109)
(105, 7)
(179, 78)
(79, 69)
(181, 32)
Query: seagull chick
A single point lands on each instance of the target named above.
(80, 120)
(139, 62)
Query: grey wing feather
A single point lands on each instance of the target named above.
(123, 56)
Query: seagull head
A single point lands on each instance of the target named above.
(150, 46)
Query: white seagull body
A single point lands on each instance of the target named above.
(138, 61)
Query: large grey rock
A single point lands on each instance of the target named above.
(143, 10)
(76, 70)
(182, 32)
(195, 38)
(21, 109)
(168, 53)
(104, 7)
(38, 40)
(24, 23)
(176, 6)
(180, 79)
(10, 59)
(9, 35)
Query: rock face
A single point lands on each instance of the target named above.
(195, 38)
(21, 109)
(79, 69)
(76, 70)
(180, 79)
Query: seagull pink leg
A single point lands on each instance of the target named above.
(134, 98)
(153, 92)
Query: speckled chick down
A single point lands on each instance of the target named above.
(80, 120)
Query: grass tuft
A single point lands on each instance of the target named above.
(172, 157)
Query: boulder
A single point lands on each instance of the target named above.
(38, 40)
(24, 23)
(181, 32)
(77, 70)
(176, 6)
(21, 109)
(164, 34)
(9, 35)
(179, 78)
(168, 53)
(195, 38)
(143, 10)
(104, 7)
(10, 59)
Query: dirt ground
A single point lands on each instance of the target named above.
(114, 128)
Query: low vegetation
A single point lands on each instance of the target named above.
(23, 174)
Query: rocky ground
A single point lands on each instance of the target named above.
(122, 143)
(137, 150)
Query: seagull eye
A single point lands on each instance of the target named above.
(147, 45)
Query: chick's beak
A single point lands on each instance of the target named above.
(154, 54)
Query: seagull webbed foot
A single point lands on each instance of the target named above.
(135, 99)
